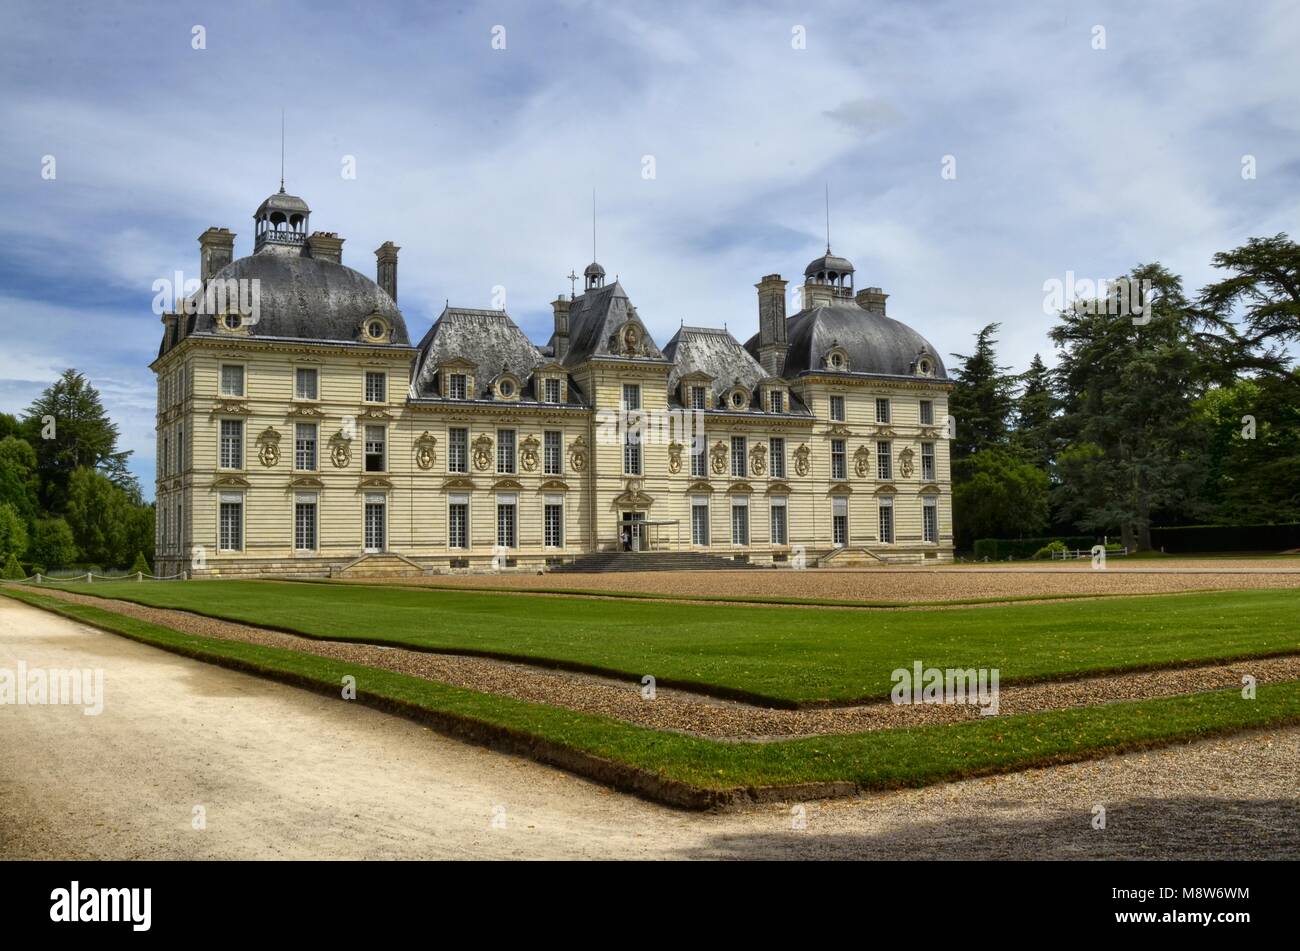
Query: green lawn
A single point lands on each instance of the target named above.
(777, 655)
(694, 771)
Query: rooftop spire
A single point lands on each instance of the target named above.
(282, 150)
(828, 217)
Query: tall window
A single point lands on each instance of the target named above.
(552, 452)
(930, 518)
(375, 522)
(304, 446)
(837, 409)
(927, 413)
(232, 379)
(506, 522)
(553, 522)
(698, 398)
(304, 523)
(778, 521)
(699, 520)
(180, 449)
(506, 451)
(457, 450)
(882, 410)
(180, 524)
(458, 521)
(376, 449)
(232, 444)
(739, 520)
(551, 389)
(631, 439)
(305, 380)
(927, 462)
(376, 386)
(776, 401)
(776, 452)
(839, 521)
(230, 522)
(456, 388)
(884, 461)
(886, 519)
(166, 455)
(838, 468)
(738, 456)
(699, 459)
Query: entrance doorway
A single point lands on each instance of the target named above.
(629, 523)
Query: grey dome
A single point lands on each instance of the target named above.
(594, 270)
(280, 201)
(872, 343)
(829, 263)
(310, 299)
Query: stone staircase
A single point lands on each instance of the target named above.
(650, 561)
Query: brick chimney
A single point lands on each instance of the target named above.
(772, 344)
(386, 267)
(325, 246)
(872, 299)
(216, 250)
(561, 306)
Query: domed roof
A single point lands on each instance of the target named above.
(594, 270)
(828, 262)
(309, 299)
(280, 201)
(870, 342)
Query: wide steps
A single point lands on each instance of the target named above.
(650, 561)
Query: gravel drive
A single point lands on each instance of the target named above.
(915, 584)
(283, 773)
(707, 716)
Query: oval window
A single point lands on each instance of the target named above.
(376, 329)
(836, 360)
(507, 388)
(232, 321)
(737, 399)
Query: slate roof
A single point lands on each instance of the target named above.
(487, 338)
(875, 344)
(303, 298)
(721, 356)
(594, 320)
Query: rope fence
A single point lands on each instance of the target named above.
(90, 577)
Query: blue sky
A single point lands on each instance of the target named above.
(480, 162)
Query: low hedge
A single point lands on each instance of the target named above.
(1000, 549)
(1201, 538)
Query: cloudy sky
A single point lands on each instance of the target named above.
(1085, 137)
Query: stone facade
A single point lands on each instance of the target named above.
(310, 437)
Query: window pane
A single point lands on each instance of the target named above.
(837, 408)
(304, 447)
(376, 387)
(305, 388)
(552, 391)
(458, 525)
(927, 413)
(232, 444)
(375, 449)
(738, 456)
(505, 450)
(699, 521)
(458, 450)
(776, 450)
(552, 453)
(884, 461)
(304, 526)
(232, 380)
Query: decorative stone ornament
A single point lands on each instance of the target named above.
(758, 460)
(483, 452)
(861, 460)
(528, 453)
(718, 457)
(268, 447)
(905, 464)
(578, 455)
(801, 460)
(674, 457)
(340, 450)
(425, 447)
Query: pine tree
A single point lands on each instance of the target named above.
(982, 402)
(1035, 409)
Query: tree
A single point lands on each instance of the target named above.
(12, 571)
(982, 401)
(1265, 280)
(140, 564)
(52, 544)
(19, 485)
(1035, 409)
(13, 532)
(1130, 448)
(98, 512)
(997, 494)
(68, 428)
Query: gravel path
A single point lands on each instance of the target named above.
(914, 584)
(282, 773)
(706, 716)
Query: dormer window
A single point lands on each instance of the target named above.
(776, 401)
(232, 321)
(456, 386)
(699, 397)
(837, 360)
(507, 387)
(737, 398)
(551, 390)
(376, 329)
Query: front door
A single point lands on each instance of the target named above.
(628, 524)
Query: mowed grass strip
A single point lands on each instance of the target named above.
(779, 657)
(691, 771)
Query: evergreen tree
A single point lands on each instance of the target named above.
(13, 532)
(1265, 282)
(98, 514)
(981, 403)
(52, 544)
(12, 571)
(1035, 408)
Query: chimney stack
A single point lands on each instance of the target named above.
(561, 306)
(872, 299)
(216, 250)
(386, 267)
(325, 246)
(772, 344)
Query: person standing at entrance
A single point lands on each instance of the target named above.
(627, 539)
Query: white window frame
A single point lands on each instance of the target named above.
(382, 376)
(930, 519)
(510, 501)
(837, 408)
(884, 411)
(553, 466)
(926, 412)
(700, 502)
(221, 443)
(550, 502)
(457, 456)
(368, 500)
(928, 464)
(510, 466)
(224, 499)
(739, 459)
(547, 395)
(366, 442)
(776, 456)
(885, 519)
(298, 452)
(885, 461)
(314, 373)
(777, 503)
(839, 459)
(839, 510)
(740, 502)
(243, 380)
(457, 386)
(306, 499)
(455, 499)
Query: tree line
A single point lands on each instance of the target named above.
(66, 496)
(1189, 414)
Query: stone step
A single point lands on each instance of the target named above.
(651, 561)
